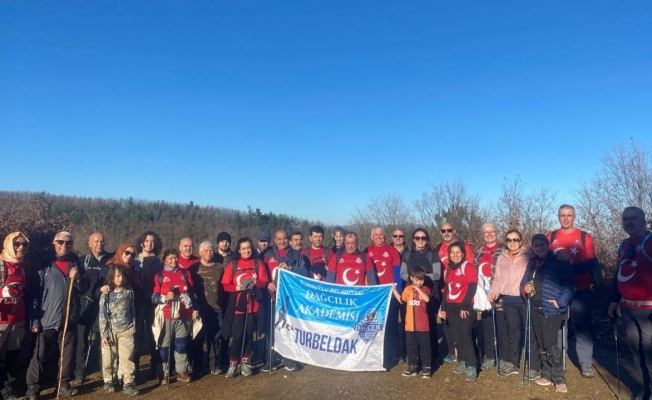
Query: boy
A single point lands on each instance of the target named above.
(417, 327)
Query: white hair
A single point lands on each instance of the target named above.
(377, 227)
(205, 243)
(64, 233)
(487, 225)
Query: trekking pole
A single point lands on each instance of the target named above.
(615, 322)
(271, 330)
(529, 343)
(244, 330)
(493, 314)
(169, 322)
(63, 339)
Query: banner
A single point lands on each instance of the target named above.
(329, 325)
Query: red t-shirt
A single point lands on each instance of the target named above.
(487, 259)
(186, 263)
(272, 261)
(458, 282)
(173, 281)
(571, 244)
(316, 255)
(443, 253)
(245, 270)
(416, 313)
(634, 278)
(351, 270)
(384, 257)
(12, 310)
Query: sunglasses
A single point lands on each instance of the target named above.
(62, 242)
(23, 244)
(129, 253)
(447, 230)
(420, 238)
(512, 240)
(398, 236)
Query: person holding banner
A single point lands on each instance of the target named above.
(244, 278)
(351, 267)
(457, 308)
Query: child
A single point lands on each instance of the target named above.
(117, 322)
(417, 327)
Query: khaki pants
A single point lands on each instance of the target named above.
(122, 351)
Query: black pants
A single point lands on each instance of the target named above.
(501, 332)
(212, 332)
(462, 329)
(485, 329)
(392, 346)
(82, 351)
(9, 372)
(515, 318)
(450, 337)
(241, 335)
(433, 309)
(418, 344)
(401, 332)
(45, 341)
(544, 337)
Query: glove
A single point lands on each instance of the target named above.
(185, 299)
(247, 284)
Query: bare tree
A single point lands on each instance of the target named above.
(625, 179)
(530, 213)
(388, 210)
(449, 201)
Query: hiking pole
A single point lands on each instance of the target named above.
(169, 322)
(529, 343)
(615, 322)
(63, 339)
(493, 314)
(271, 330)
(244, 330)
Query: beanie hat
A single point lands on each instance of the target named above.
(223, 236)
(540, 236)
(264, 236)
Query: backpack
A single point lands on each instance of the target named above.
(184, 276)
(595, 272)
(640, 248)
(326, 253)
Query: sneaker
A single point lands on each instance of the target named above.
(534, 375)
(542, 382)
(471, 374)
(451, 358)
(217, 371)
(268, 367)
(561, 388)
(183, 377)
(587, 372)
(232, 371)
(108, 387)
(401, 360)
(130, 389)
(461, 368)
(67, 391)
(487, 364)
(165, 380)
(425, 373)
(245, 369)
(410, 371)
(78, 381)
(510, 369)
(291, 367)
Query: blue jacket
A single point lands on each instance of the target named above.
(558, 283)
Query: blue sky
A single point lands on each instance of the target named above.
(313, 108)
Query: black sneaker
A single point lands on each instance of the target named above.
(67, 391)
(510, 369)
(425, 373)
(410, 371)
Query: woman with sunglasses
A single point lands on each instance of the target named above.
(421, 254)
(506, 287)
(457, 308)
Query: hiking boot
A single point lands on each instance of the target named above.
(232, 371)
(510, 369)
(217, 371)
(78, 381)
(461, 368)
(561, 388)
(410, 371)
(245, 369)
(426, 373)
(269, 366)
(130, 389)
(108, 387)
(542, 382)
(183, 377)
(471, 374)
(534, 374)
(451, 358)
(67, 391)
(587, 372)
(487, 364)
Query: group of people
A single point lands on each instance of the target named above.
(200, 314)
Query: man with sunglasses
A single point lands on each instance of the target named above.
(93, 263)
(13, 279)
(449, 236)
(576, 246)
(633, 293)
(48, 287)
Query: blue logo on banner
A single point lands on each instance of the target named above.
(369, 327)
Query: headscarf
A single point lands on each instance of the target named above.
(117, 259)
(8, 252)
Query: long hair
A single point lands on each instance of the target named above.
(158, 244)
(237, 255)
(459, 246)
(426, 234)
(110, 276)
